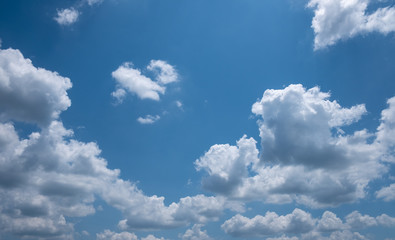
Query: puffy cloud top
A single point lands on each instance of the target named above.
(336, 20)
(28, 93)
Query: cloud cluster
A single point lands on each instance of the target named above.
(49, 176)
(195, 233)
(67, 16)
(336, 20)
(110, 235)
(305, 155)
(301, 225)
(131, 80)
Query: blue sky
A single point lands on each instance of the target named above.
(142, 119)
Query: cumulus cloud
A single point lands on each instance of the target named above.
(165, 73)
(67, 16)
(149, 119)
(28, 93)
(227, 165)
(306, 156)
(336, 20)
(131, 80)
(296, 222)
(49, 176)
(195, 233)
(300, 224)
(109, 235)
(387, 193)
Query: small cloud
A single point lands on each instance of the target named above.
(85, 233)
(165, 73)
(67, 16)
(149, 119)
(179, 104)
(93, 2)
(119, 95)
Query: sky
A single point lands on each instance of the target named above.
(197, 120)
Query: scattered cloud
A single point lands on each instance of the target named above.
(131, 80)
(296, 222)
(179, 104)
(336, 20)
(306, 157)
(149, 119)
(165, 73)
(49, 176)
(93, 2)
(195, 233)
(300, 223)
(67, 16)
(28, 93)
(387, 193)
(109, 235)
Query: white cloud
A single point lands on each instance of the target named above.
(133, 81)
(329, 222)
(28, 93)
(387, 193)
(165, 73)
(336, 20)
(50, 176)
(306, 157)
(300, 223)
(152, 237)
(67, 16)
(149, 119)
(195, 233)
(93, 2)
(296, 222)
(109, 235)
(227, 165)
(179, 104)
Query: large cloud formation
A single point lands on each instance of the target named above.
(336, 20)
(49, 176)
(301, 225)
(306, 156)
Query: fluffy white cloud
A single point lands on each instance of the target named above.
(131, 80)
(227, 165)
(301, 225)
(50, 176)
(28, 93)
(67, 16)
(336, 20)
(306, 156)
(195, 233)
(149, 119)
(165, 73)
(109, 235)
(296, 222)
(329, 222)
(387, 193)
